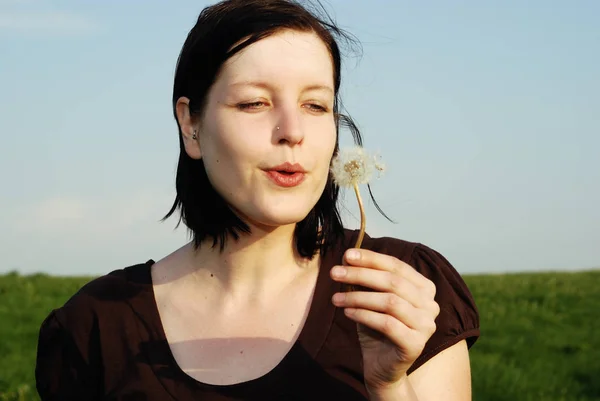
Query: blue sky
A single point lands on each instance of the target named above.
(487, 114)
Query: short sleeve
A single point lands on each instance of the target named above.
(62, 371)
(459, 317)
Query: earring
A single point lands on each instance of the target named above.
(277, 128)
(194, 136)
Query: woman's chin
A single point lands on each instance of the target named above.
(280, 218)
(283, 221)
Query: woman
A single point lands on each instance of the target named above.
(253, 308)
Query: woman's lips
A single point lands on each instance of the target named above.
(286, 179)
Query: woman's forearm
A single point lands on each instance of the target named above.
(399, 391)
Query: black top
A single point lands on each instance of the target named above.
(107, 342)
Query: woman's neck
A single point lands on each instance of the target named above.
(253, 266)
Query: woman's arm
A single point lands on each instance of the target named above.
(446, 376)
(62, 370)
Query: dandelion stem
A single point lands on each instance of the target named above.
(363, 217)
(361, 233)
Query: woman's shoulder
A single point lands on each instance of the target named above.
(423, 258)
(405, 250)
(104, 297)
(75, 338)
(399, 248)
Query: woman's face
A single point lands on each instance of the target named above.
(271, 106)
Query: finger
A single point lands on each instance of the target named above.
(389, 304)
(380, 261)
(381, 281)
(409, 340)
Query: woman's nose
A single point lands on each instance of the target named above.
(288, 129)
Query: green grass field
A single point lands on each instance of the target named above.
(540, 334)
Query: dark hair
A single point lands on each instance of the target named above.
(221, 31)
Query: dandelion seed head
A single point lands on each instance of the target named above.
(354, 166)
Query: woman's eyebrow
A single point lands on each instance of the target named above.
(267, 86)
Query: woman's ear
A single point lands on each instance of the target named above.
(189, 130)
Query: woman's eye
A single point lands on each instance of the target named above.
(260, 104)
(251, 106)
(316, 107)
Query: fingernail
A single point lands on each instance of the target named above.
(339, 298)
(350, 311)
(338, 271)
(352, 255)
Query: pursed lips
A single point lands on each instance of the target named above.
(287, 174)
